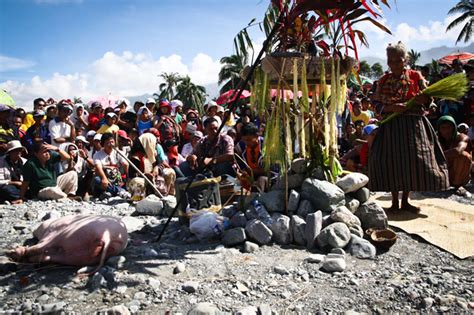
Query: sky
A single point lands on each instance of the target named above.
(88, 48)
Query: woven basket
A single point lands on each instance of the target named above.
(282, 63)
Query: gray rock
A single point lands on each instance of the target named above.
(53, 308)
(42, 298)
(204, 309)
(179, 268)
(352, 182)
(299, 166)
(294, 181)
(327, 220)
(238, 220)
(371, 215)
(139, 295)
(169, 203)
(250, 247)
(298, 226)
(96, 282)
(344, 215)
(150, 205)
(229, 211)
(357, 231)
(281, 270)
(362, 195)
(361, 248)
(234, 237)
(258, 232)
(190, 286)
(117, 262)
(336, 235)
(352, 204)
(251, 214)
(133, 224)
(427, 302)
(293, 201)
(315, 258)
(118, 310)
(318, 173)
(338, 251)
(249, 310)
(323, 195)
(334, 264)
(274, 200)
(314, 224)
(281, 229)
(305, 208)
(153, 283)
(264, 309)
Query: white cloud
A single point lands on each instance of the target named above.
(422, 37)
(126, 74)
(10, 63)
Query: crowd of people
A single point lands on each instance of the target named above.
(73, 150)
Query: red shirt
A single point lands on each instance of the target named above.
(94, 120)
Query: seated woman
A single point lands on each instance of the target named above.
(145, 157)
(455, 146)
(80, 163)
(251, 147)
(356, 159)
(144, 119)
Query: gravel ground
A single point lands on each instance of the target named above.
(179, 273)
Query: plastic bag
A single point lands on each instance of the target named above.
(206, 225)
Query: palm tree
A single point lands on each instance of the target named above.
(190, 94)
(168, 87)
(413, 57)
(230, 71)
(466, 8)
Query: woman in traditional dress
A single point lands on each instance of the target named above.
(405, 155)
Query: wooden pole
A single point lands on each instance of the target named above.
(158, 193)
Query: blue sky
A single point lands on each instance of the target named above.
(77, 45)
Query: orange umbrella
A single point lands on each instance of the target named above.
(464, 57)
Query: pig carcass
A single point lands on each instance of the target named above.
(77, 240)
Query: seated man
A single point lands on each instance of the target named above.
(251, 147)
(455, 146)
(39, 131)
(10, 172)
(214, 150)
(61, 128)
(108, 164)
(39, 175)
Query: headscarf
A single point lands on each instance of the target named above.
(448, 119)
(148, 142)
(141, 109)
(74, 117)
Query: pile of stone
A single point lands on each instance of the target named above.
(329, 218)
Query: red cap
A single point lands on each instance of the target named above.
(123, 134)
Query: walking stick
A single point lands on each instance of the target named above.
(141, 173)
(232, 107)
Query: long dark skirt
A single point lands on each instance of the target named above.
(406, 156)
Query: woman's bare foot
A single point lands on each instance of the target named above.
(393, 208)
(410, 208)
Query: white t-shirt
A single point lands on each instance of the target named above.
(106, 160)
(58, 129)
(187, 149)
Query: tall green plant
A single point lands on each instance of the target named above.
(167, 89)
(229, 75)
(192, 95)
(466, 9)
